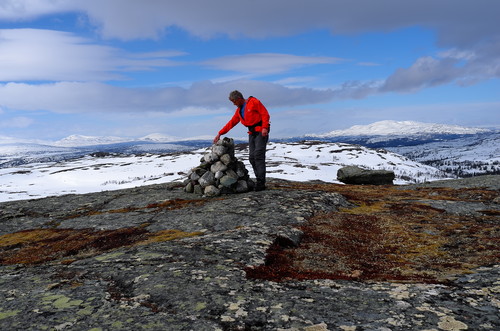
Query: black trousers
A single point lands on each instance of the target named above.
(257, 155)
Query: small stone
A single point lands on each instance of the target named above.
(231, 173)
(189, 188)
(451, 324)
(317, 327)
(218, 166)
(289, 238)
(226, 159)
(198, 189)
(211, 191)
(228, 180)
(241, 171)
(207, 179)
(219, 150)
(210, 157)
(242, 186)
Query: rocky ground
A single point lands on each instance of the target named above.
(298, 256)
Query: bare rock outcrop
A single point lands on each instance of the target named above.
(158, 258)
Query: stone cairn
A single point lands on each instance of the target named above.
(219, 172)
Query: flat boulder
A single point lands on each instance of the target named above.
(359, 176)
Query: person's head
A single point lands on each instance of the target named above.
(236, 98)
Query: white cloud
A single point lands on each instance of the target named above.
(468, 29)
(32, 54)
(267, 63)
(16, 122)
(87, 97)
(458, 22)
(464, 67)
(27, 9)
(425, 72)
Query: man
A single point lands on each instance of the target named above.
(251, 113)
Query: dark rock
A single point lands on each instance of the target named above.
(289, 238)
(357, 175)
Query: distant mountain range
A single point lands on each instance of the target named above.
(386, 128)
(373, 135)
(385, 134)
(455, 149)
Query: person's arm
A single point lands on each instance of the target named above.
(231, 124)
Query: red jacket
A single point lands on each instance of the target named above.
(254, 113)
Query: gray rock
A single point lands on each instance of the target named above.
(207, 179)
(219, 150)
(289, 238)
(231, 173)
(198, 190)
(228, 180)
(242, 186)
(199, 282)
(226, 159)
(210, 157)
(218, 166)
(196, 173)
(211, 191)
(357, 175)
(241, 170)
(189, 188)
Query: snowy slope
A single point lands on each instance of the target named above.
(478, 154)
(406, 128)
(294, 161)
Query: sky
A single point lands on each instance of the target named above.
(130, 68)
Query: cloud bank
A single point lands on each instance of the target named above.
(65, 73)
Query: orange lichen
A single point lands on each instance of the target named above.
(167, 235)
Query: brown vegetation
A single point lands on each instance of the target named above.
(392, 235)
(38, 246)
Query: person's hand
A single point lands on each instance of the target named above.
(216, 139)
(264, 132)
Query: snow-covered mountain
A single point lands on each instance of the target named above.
(401, 128)
(81, 141)
(159, 137)
(386, 134)
(457, 150)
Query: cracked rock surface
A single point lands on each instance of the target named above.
(157, 258)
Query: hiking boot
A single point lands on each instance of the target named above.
(260, 187)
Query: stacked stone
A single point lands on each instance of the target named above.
(219, 172)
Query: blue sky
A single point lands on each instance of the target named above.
(130, 68)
